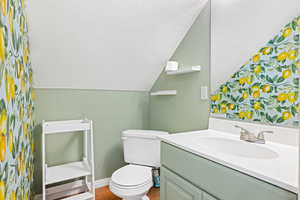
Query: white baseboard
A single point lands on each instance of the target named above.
(70, 189)
(102, 182)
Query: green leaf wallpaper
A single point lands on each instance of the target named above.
(265, 89)
(16, 104)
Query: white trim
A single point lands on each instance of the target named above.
(70, 189)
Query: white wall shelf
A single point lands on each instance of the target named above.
(164, 93)
(185, 70)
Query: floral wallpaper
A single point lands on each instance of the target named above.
(16, 104)
(265, 89)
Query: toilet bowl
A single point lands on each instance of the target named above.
(142, 153)
(132, 182)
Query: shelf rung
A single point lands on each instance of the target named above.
(65, 126)
(82, 196)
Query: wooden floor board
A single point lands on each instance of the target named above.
(105, 194)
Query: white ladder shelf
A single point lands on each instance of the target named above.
(73, 170)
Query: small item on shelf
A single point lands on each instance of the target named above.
(171, 66)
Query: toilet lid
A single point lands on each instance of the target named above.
(132, 175)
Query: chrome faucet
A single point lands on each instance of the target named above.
(248, 136)
(261, 137)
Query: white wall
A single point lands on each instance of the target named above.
(240, 28)
(105, 44)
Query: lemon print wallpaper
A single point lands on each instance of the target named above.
(16, 105)
(265, 89)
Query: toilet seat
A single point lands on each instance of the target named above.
(126, 192)
(131, 180)
(132, 176)
(132, 188)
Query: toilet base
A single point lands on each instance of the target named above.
(143, 198)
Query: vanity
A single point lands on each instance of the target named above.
(212, 165)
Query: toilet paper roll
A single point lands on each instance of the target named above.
(172, 66)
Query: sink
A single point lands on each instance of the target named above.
(237, 148)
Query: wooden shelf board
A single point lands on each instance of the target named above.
(164, 93)
(185, 70)
(53, 127)
(65, 172)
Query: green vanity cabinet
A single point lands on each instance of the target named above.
(186, 176)
(176, 188)
(173, 187)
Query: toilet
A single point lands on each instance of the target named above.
(142, 153)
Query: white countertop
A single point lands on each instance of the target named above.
(281, 171)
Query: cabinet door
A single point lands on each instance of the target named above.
(173, 187)
(207, 197)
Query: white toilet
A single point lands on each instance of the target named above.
(142, 152)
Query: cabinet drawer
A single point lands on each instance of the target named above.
(220, 181)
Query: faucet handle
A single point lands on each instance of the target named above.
(261, 135)
(244, 134)
(242, 129)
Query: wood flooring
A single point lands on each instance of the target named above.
(105, 194)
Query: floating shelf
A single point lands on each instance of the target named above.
(185, 70)
(164, 93)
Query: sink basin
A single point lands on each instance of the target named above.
(237, 148)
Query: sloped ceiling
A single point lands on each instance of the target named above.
(106, 44)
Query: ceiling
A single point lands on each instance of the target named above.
(107, 44)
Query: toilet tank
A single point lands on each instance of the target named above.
(142, 147)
